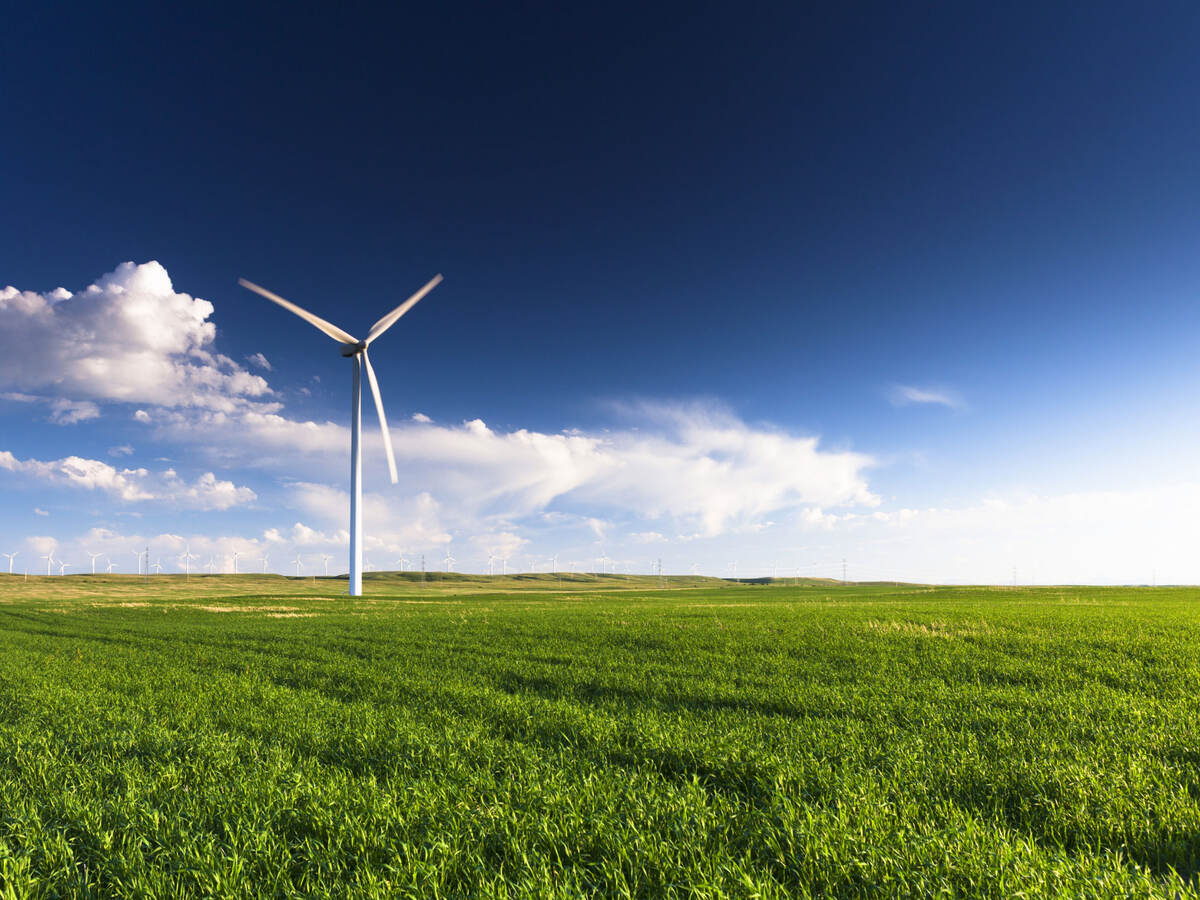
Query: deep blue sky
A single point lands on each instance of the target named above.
(786, 210)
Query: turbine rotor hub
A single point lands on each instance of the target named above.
(354, 349)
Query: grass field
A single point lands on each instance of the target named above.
(262, 736)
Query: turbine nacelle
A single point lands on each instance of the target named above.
(354, 349)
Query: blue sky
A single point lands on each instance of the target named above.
(954, 247)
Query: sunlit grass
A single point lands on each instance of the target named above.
(267, 736)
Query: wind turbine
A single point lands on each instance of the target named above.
(355, 349)
(264, 560)
(11, 557)
(236, 554)
(299, 564)
(157, 567)
(402, 562)
(138, 554)
(449, 561)
(554, 564)
(210, 565)
(369, 566)
(187, 558)
(94, 557)
(49, 558)
(62, 568)
(111, 565)
(325, 558)
(491, 564)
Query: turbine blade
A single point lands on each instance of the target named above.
(387, 438)
(390, 319)
(330, 329)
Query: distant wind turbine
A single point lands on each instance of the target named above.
(449, 561)
(325, 558)
(94, 557)
(357, 350)
(62, 568)
(157, 567)
(236, 554)
(299, 565)
(11, 557)
(491, 564)
(49, 558)
(210, 565)
(402, 562)
(138, 554)
(264, 560)
(187, 558)
(109, 568)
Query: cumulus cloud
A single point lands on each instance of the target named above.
(908, 395)
(129, 337)
(131, 485)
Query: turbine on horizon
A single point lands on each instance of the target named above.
(357, 350)
(11, 557)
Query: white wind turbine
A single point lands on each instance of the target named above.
(264, 560)
(62, 568)
(236, 554)
(111, 565)
(157, 567)
(491, 564)
(449, 561)
(402, 562)
(357, 350)
(325, 558)
(49, 558)
(210, 565)
(187, 558)
(94, 557)
(11, 557)
(299, 564)
(138, 554)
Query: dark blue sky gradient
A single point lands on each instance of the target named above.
(785, 209)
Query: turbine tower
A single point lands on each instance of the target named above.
(111, 565)
(138, 554)
(449, 561)
(491, 564)
(11, 557)
(94, 557)
(157, 567)
(325, 558)
(62, 568)
(299, 564)
(264, 559)
(236, 554)
(49, 558)
(356, 350)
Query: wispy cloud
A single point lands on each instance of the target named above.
(257, 359)
(909, 395)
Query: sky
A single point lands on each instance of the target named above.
(752, 291)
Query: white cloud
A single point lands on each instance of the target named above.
(38, 511)
(132, 485)
(68, 412)
(907, 395)
(702, 468)
(422, 418)
(257, 359)
(130, 337)
(121, 450)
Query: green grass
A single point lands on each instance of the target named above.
(259, 736)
